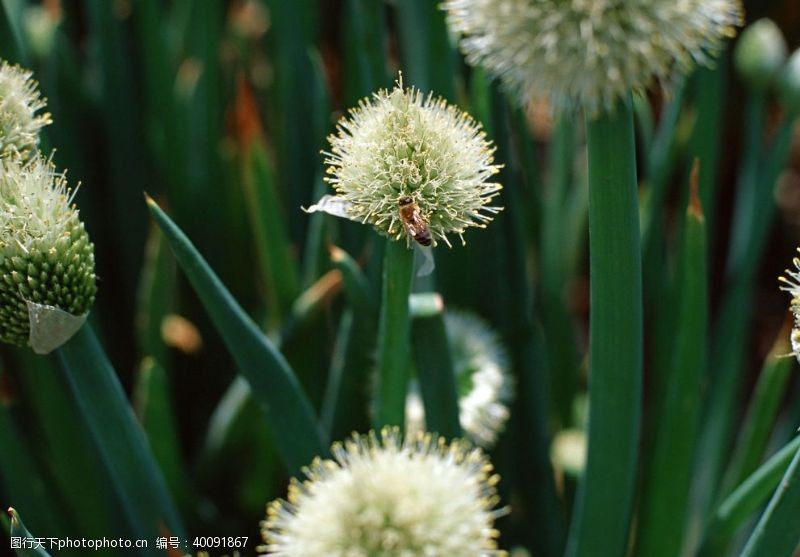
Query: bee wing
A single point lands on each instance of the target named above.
(333, 205)
(425, 262)
(411, 228)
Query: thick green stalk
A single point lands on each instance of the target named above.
(605, 496)
(555, 273)
(393, 335)
(436, 375)
(778, 531)
(668, 476)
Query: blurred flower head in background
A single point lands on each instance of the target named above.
(760, 53)
(19, 102)
(789, 84)
(401, 144)
(386, 496)
(485, 386)
(791, 284)
(589, 53)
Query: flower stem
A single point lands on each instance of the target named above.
(615, 379)
(393, 335)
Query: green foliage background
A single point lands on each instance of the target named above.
(218, 110)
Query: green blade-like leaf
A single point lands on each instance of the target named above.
(19, 534)
(67, 450)
(156, 297)
(746, 500)
(558, 327)
(344, 409)
(347, 392)
(364, 41)
(271, 235)
(777, 533)
(119, 105)
(117, 438)
(288, 411)
(12, 48)
(668, 474)
(22, 478)
(427, 55)
(761, 413)
(152, 402)
(356, 286)
(237, 427)
(293, 99)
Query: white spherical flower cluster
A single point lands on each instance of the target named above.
(403, 147)
(791, 284)
(385, 496)
(19, 102)
(485, 386)
(589, 53)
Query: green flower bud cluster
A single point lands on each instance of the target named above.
(47, 280)
(760, 53)
(589, 53)
(760, 59)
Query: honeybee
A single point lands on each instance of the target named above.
(413, 221)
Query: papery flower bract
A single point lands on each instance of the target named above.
(19, 102)
(589, 53)
(46, 258)
(386, 496)
(402, 144)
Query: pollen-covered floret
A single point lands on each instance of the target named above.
(19, 102)
(385, 496)
(791, 284)
(402, 144)
(589, 53)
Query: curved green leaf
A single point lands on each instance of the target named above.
(18, 530)
(288, 410)
(777, 533)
